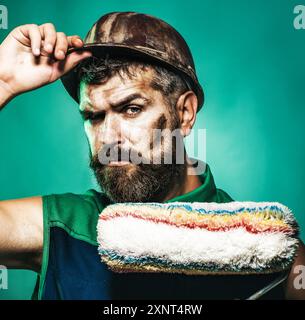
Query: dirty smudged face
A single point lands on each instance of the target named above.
(121, 116)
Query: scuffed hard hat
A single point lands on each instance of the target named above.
(141, 36)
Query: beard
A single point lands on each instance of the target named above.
(143, 182)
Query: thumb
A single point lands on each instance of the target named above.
(70, 62)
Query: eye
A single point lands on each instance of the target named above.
(132, 110)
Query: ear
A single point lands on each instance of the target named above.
(186, 107)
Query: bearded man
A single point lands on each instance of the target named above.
(134, 80)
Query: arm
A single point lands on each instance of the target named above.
(5, 94)
(31, 56)
(21, 233)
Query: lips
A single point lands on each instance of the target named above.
(118, 163)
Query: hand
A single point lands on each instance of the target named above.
(32, 56)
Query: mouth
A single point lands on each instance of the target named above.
(118, 163)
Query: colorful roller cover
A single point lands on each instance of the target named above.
(198, 238)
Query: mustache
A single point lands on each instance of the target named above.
(114, 152)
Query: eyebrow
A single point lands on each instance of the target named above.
(128, 99)
(115, 104)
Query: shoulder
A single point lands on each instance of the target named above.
(223, 196)
(77, 214)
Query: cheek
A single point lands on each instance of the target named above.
(135, 133)
(143, 134)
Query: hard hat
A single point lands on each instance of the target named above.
(141, 36)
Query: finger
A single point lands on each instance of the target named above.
(75, 41)
(32, 32)
(49, 35)
(61, 46)
(71, 61)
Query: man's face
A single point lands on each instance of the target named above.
(121, 119)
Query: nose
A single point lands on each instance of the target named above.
(110, 131)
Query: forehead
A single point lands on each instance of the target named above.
(117, 87)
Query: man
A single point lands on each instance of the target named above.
(134, 75)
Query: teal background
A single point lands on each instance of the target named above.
(250, 61)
